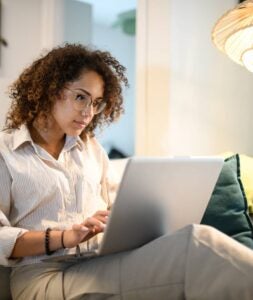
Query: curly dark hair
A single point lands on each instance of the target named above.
(33, 93)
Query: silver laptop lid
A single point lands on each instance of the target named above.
(158, 196)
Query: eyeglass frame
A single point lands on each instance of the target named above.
(88, 104)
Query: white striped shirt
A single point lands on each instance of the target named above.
(37, 191)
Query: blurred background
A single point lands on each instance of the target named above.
(185, 97)
(31, 26)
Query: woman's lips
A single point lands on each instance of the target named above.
(80, 124)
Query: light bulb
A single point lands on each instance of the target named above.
(238, 42)
(247, 59)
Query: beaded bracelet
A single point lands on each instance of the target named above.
(47, 242)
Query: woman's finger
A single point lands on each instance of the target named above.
(93, 222)
(102, 213)
(102, 219)
(102, 216)
(80, 227)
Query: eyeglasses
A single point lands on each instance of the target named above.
(83, 101)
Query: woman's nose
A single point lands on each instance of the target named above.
(88, 111)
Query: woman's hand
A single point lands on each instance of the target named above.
(86, 230)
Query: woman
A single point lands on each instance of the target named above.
(54, 195)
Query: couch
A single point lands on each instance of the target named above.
(118, 166)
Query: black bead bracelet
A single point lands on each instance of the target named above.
(47, 242)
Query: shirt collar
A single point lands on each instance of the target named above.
(22, 135)
(72, 141)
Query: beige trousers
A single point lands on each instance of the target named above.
(196, 262)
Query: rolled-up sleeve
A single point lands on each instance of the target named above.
(8, 233)
(112, 174)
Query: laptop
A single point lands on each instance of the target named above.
(156, 196)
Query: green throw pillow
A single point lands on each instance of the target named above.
(227, 209)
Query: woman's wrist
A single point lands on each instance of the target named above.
(53, 240)
(62, 239)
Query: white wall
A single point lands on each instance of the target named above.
(119, 135)
(77, 22)
(153, 76)
(210, 96)
(209, 105)
(21, 25)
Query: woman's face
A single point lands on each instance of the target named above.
(69, 114)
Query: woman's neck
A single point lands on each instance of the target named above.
(48, 139)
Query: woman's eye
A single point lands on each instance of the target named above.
(81, 97)
(97, 103)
